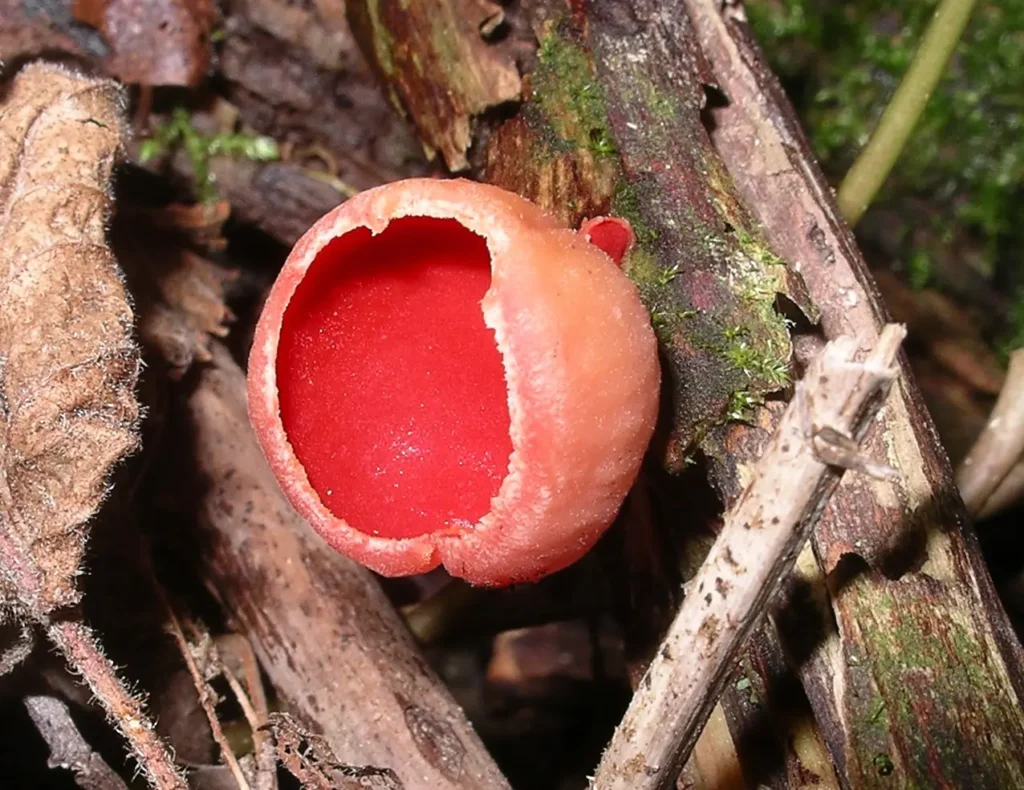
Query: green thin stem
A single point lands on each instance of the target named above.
(872, 167)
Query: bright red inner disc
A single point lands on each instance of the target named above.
(392, 389)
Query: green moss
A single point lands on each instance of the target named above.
(569, 95)
(179, 131)
(958, 182)
(883, 764)
(757, 249)
(663, 106)
(919, 269)
(642, 268)
(741, 405)
(755, 363)
(626, 204)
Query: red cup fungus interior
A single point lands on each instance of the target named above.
(392, 389)
(442, 374)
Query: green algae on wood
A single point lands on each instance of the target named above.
(436, 66)
(923, 664)
(558, 151)
(604, 109)
(611, 123)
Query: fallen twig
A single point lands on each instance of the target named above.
(79, 645)
(1000, 444)
(68, 749)
(1007, 494)
(757, 547)
(206, 701)
(253, 702)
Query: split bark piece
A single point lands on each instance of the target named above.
(338, 654)
(433, 55)
(1000, 445)
(68, 749)
(755, 550)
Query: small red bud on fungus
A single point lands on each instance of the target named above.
(443, 374)
(611, 234)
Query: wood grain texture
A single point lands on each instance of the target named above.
(338, 654)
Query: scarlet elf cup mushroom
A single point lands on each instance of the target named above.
(442, 374)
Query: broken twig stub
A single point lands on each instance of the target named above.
(757, 547)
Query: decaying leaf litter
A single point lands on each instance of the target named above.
(184, 498)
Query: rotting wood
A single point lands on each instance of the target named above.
(915, 657)
(437, 66)
(334, 648)
(750, 559)
(863, 689)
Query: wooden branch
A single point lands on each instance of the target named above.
(207, 698)
(330, 641)
(68, 749)
(1000, 445)
(1007, 494)
(755, 550)
(916, 655)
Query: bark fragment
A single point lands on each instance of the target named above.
(437, 65)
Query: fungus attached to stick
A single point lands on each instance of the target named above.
(443, 374)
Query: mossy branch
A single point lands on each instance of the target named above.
(872, 167)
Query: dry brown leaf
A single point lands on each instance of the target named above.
(68, 367)
(68, 364)
(150, 42)
(156, 42)
(179, 294)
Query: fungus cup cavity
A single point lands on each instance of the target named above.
(444, 375)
